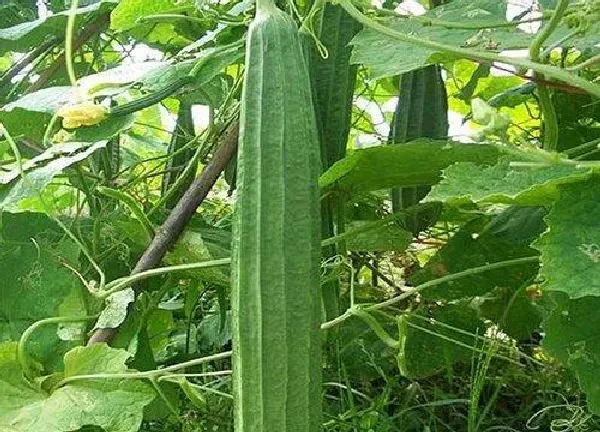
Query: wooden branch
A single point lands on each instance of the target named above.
(171, 229)
(86, 34)
(28, 59)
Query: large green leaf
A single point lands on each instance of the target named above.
(35, 281)
(22, 37)
(114, 405)
(387, 56)
(89, 360)
(475, 245)
(431, 341)
(40, 171)
(415, 163)
(571, 335)
(502, 183)
(570, 249)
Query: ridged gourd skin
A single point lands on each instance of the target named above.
(276, 252)
(333, 80)
(422, 112)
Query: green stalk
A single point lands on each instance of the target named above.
(124, 282)
(69, 42)
(448, 278)
(156, 374)
(383, 335)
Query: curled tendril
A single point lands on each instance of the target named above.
(309, 28)
(334, 262)
(577, 420)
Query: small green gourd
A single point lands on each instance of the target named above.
(276, 252)
(422, 112)
(333, 81)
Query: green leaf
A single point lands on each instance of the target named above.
(571, 335)
(502, 183)
(518, 224)
(570, 249)
(96, 358)
(211, 334)
(114, 405)
(583, 40)
(35, 281)
(474, 245)
(40, 171)
(480, 12)
(103, 131)
(388, 237)
(190, 248)
(22, 37)
(118, 76)
(433, 341)
(416, 163)
(30, 115)
(387, 56)
(208, 65)
(115, 310)
(513, 311)
(160, 323)
(392, 233)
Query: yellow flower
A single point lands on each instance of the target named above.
(83, 114)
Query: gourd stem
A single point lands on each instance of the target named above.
(263, 6)
(550, 121)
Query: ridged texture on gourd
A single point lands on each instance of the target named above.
(333, 81)
(422, 112)
(276, 301)
(178, 158)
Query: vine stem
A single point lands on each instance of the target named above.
(428, 21)
(69, 42)
(22, 355)
(449, 278)
(550, 71)
(589, 62)
(153, 374)
(121, 283)
(545, 101)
